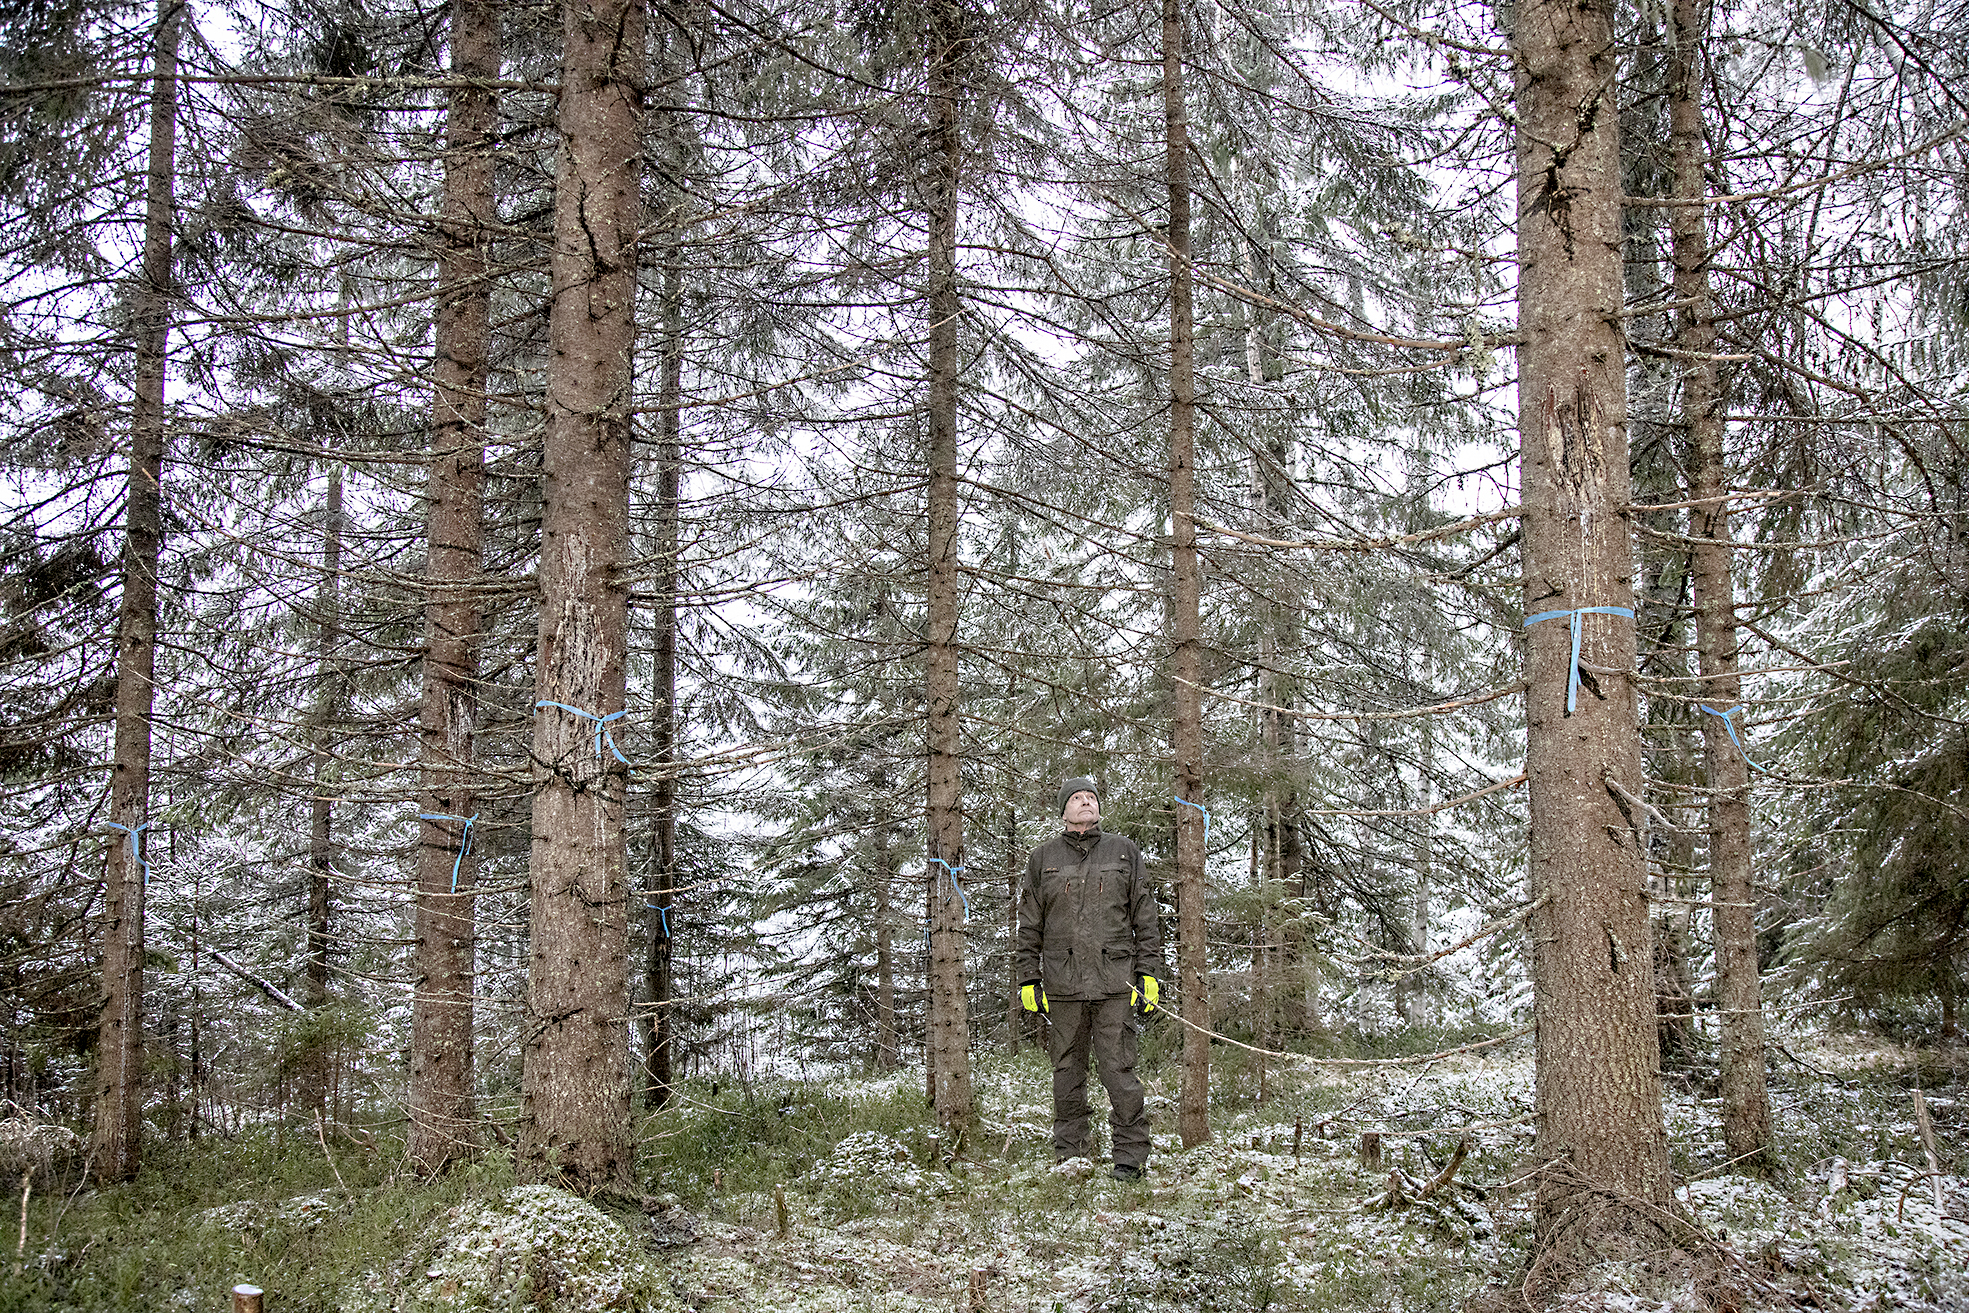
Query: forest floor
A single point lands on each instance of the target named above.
(837, 1195)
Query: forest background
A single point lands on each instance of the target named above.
(555, 554)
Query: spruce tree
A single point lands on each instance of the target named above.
(575, 1126)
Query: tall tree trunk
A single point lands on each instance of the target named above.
(313, 1070)
(1746, 1102)
(116, 1146)
(196, 1056)
(1278, 950)
(663, 678)
(1185, 602)
(574, 1084)
(1599, 1087)
(442, 1111)
(949, 1060)
(1014, 856)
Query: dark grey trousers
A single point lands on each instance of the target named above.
(1106, 1028)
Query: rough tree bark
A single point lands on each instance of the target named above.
(1185, 601)
(116, 1144)
(1600, 1133)
(949, 1060)
(442, 1111)
(574, 1084)
(1746, 1101)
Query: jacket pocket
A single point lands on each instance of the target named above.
(1117, 968)
(1053, 972)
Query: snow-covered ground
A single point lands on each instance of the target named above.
(1277, 1212)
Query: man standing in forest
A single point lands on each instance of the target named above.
(1089, 948)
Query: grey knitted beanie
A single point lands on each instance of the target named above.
(1078, 784)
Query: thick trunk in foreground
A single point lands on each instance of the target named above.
(1746, 1101)
(116, 1147)
(949, 1059)
(442, 1112)
(1185, 601)
(574, 1085)
(1599, 1087)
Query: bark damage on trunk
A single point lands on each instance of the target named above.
(575, 1115)
(1600, 1138)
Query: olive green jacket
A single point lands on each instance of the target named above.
(1088, 919)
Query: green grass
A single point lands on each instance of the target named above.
(153, 1245)
(738, 1142)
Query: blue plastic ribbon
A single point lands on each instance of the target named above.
(1731, 726)
(938, 861)
(1206, 817)
(136, 848)
(1572, 681)
(601, 726)
(464, 840)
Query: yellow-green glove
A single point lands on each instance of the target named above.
(1148, 995)
(1033, 996)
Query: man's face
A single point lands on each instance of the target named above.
(1083, 809)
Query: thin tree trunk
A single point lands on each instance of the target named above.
(1598, 1083)
(116, 1146)
(1261, 999)
(1746, 1101)
(663, 680)
(1014, 863)
(442, 1111)
(948, 1057)
(1185, 601)
(1014, 869)
(312, 1071)
(888, 1051)
(1413, 991)
(1271, 480)
(1674, 978)
(574, 1083)
(197, 1055)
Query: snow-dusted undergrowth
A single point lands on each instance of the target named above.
(532, 1247)
(1278, 1212)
